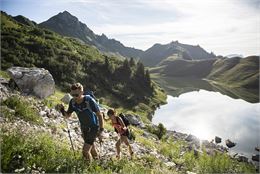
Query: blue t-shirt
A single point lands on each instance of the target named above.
(86, 111)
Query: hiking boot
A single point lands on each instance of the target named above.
(118, 157)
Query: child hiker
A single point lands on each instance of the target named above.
(121, 129)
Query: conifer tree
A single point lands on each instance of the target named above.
(147, 77)
(132, 62)
(140, 70)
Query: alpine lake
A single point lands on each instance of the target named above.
(206, 110)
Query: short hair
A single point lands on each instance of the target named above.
(111, 112)
(76, 86)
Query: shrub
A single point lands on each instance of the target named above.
(36, 151)
(160, 130)
(221, 163)
(23, 109)
(7, 113)
(4, 74)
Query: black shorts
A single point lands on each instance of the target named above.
(126, 133)
(89, 134)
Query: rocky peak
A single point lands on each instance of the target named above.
(66, 16)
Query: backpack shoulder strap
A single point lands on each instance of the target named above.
(118, 118)
(73, 104)
(86, 100)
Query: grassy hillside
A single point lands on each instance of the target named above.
(184, 68)
(235, 77)
(232, 72)
(119, 82)
(237, 72)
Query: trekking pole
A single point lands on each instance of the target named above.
(100, 148)
(70, 139)
(71, 143)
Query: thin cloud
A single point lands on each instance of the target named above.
(222, 26)
(194, 22)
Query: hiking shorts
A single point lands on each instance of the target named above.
(89, 134)
(126, 133)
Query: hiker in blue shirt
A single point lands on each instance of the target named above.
(90, 118)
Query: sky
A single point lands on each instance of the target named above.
(223, 27)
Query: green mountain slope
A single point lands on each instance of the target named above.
(238, 72)
(236, 77)
(158, 52)
(184, 68)
(121, 83)
(68, 25)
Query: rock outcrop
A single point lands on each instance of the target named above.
(34, 81)
(135, 120)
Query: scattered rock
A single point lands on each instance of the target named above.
(191, 138)
(188, 172)
(217, 139)
(242, 158)
(230, 144)
(19, 170)
(170, 164)
(255, 157)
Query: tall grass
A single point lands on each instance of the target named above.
(35, 151)
(4, 74)
(22, 109)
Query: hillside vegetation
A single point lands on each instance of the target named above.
(184, 68)
(236, 77)
(34, 135)
(123, 83)
(34, 139)
(238, 72)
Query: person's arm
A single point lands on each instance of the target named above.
(67, 113)
(121, 123)
(100, 120)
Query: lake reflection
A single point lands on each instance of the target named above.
(208, 114)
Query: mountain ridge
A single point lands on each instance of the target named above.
(66, 24)
(159, 52)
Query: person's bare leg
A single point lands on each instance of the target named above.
(125, 139)
(86, 151)
(94, 151)
(118, 143)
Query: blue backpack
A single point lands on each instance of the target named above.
(91, 94)
(86, 102)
